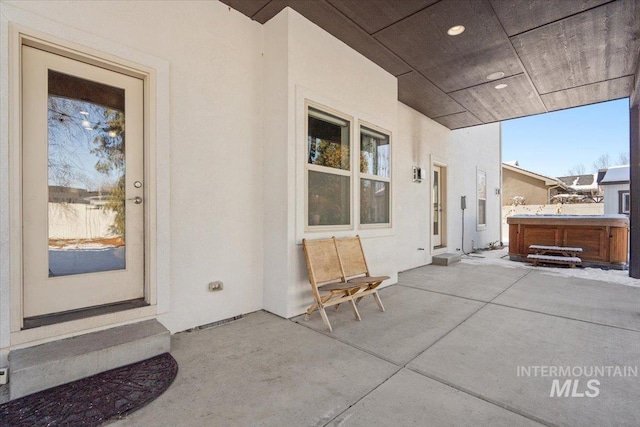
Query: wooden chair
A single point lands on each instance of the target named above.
(355, 269)
(325, 276)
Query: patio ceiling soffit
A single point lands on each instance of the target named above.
(554, 54)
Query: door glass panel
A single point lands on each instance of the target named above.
(436, 204)
(86, 176)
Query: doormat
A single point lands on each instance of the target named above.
(94, 400)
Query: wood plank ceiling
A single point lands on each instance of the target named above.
(554, 54)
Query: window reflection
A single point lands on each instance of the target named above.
(86, 176)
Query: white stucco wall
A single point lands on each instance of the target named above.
(611, 201)
(420, 140)
(424, 142)
(470, 149)
(315, 66)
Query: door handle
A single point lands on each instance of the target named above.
(137, 200)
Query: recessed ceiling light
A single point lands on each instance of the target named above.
(501, 86)
(456, 30)
(84, 113)
(496, 75)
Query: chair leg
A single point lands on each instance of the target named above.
(311, 309)
(377, 297)
(325, 318)
(355, 309)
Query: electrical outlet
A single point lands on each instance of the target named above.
(216, 286)
(4, 375)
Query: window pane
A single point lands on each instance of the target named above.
(626, 202)
(482, 212)
(329, 199)
(374, 153)
(328, 140)
(374, 202)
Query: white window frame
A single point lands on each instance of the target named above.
(624, 195)
(372, 177)
(328, 170)
(298, 156)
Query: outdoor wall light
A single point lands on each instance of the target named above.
(419, 174)
(456, 30)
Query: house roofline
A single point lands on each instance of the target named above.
(614, 182)
(546, 179)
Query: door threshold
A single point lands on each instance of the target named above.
(67, 316)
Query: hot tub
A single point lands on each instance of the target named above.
(603, 238)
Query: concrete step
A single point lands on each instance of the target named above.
(48, 365)
(446, 259)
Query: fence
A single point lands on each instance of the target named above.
(79, 221)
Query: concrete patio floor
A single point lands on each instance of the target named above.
(446, 352)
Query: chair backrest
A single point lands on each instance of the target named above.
(352, 256)
(323, 262)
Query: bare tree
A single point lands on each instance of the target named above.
(623, 158)
(578, 169)
(603, 162)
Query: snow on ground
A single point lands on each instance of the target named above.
(501, 258)
(86, 259)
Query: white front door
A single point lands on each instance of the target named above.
(436, 198)
(82, 186)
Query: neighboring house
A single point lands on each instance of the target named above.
(521, 186)
(615, 184)
(59, 194)
(581, 188)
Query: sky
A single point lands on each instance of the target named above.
(552, 143)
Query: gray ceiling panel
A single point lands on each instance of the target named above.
(575, 52)
(247, 7)
(418, 93)
(520, 16)
(597, 45)
(374, 15)
(458, 120)
(589, 94)
(453, 62)
(489, 104)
